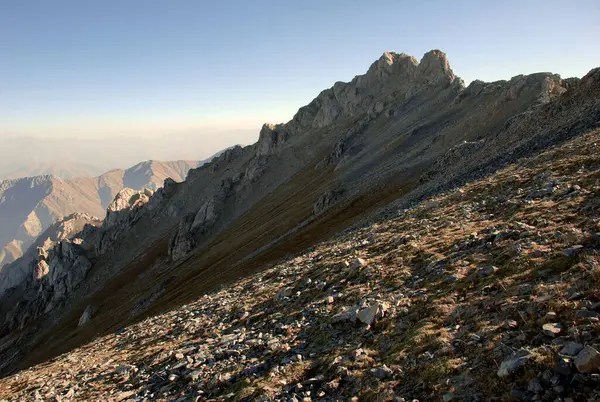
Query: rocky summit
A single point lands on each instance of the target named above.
(402, 237)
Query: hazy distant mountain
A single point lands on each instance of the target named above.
(30, 205)
(102, 153)
(60, 168)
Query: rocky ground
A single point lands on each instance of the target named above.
(488, 292)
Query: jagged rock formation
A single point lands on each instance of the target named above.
(389, 136)
(15, 273)
(29, 205)
(61, 258)
(125, 201)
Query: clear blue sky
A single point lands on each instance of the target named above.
(92, 68)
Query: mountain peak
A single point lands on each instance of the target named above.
(391, 64)
(434, 68)
(393, 73)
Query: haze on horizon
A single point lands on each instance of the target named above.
(150, 79)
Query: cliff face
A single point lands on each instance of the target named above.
(400, 132)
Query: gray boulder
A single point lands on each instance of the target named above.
(513, 363)
(588, 360)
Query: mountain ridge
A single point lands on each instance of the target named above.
(397, 134)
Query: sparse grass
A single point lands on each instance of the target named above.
(320, 339)
(557, 264)
(544, 357)
(590, 264)
(242, 389)
(439, 370)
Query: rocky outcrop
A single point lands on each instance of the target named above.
(126, 202)
(12, 275)
(196, 224)
(547, 85)
(398, 75)
(434, 69)
(392, 76)
(270, 138)
(183, 241)
(55, 272)
(59, 261)
(126, 209)
(326, 200)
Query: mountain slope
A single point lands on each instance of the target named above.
(429, 302)
(403, 131)
(151, 174)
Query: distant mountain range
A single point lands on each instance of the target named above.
(29, 205)
(59, 168)
(108, 152)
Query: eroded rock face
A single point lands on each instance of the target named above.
(195, 224)
(391, 72)
(326, 200)
(55, 273)
(271, 136)
(128, 207)
(206, 215)
(255, 169)
(547, 86)
(396, 75)
(125, 201)
(34, 264)
(40, 270)
(434, 69)
(183, 241)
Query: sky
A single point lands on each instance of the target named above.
(154, 68)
